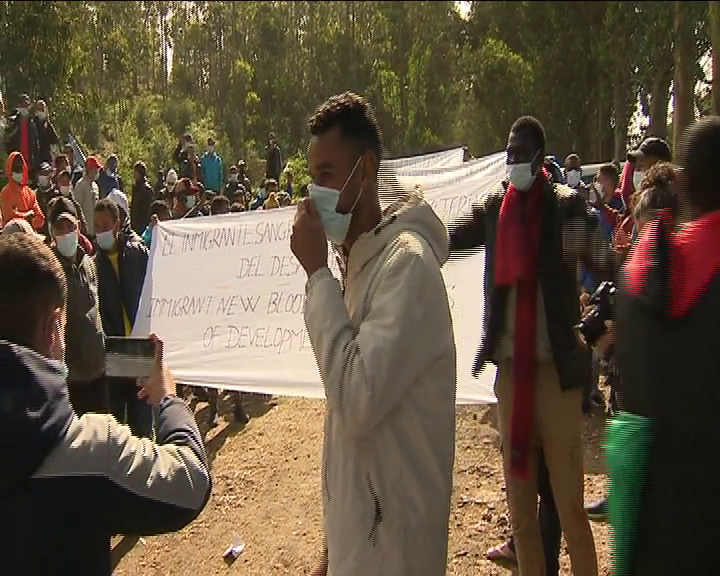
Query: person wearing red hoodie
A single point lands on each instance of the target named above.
(17, 199)
(667, 320)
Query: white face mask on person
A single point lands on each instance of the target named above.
(42, 116)
(336, 225)
(638, 176)
(521, 175)
(43, 181)
(106, 240)
(67, 244)
(17, 177)
(573, 177)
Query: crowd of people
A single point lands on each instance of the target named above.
(101, 231)
(78, 251)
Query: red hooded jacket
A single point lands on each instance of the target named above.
(16, 200)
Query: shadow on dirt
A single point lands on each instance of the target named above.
(121, 549)
(212, 446)
(253, 406)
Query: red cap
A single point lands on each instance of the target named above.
(187, 186)
(93, 162)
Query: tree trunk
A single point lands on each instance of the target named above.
(714, 14)
(659, 100)
(621, 113)
(600, 123)
(684, 80)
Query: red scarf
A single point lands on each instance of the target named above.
(694, 259)
(516, 264)
(25, 141)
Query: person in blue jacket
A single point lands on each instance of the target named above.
(212, 168)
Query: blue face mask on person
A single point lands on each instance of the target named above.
(336, 225)
(106, 240)
(67, 244)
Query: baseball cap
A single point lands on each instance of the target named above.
(62, 207)
(652, 147)
(120, 199)
(93, 161)
(20, 225)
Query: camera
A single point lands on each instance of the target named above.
(592, 325)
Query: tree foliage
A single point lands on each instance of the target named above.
(130, 77)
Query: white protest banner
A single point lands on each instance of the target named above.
(226, 294)
(433, 161)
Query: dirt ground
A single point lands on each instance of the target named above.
(266, 491)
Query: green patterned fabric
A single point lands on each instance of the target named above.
(627, 447)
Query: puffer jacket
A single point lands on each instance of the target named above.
(84, 340)
(386, 355)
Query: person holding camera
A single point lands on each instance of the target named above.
(70, 483)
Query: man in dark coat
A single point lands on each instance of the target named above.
(121, 262)
(142, 199)
(21, 135)
(535, 233)
(47, 135)
(273, 159)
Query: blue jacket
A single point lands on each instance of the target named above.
(124, 292)
(616, 203)
(106, 182)
(212, 171)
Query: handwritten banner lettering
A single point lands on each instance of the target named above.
(226, 293)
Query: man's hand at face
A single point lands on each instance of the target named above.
(308, 241)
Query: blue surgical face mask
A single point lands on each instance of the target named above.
(67, 244)
(326, 199)
(106, 240)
